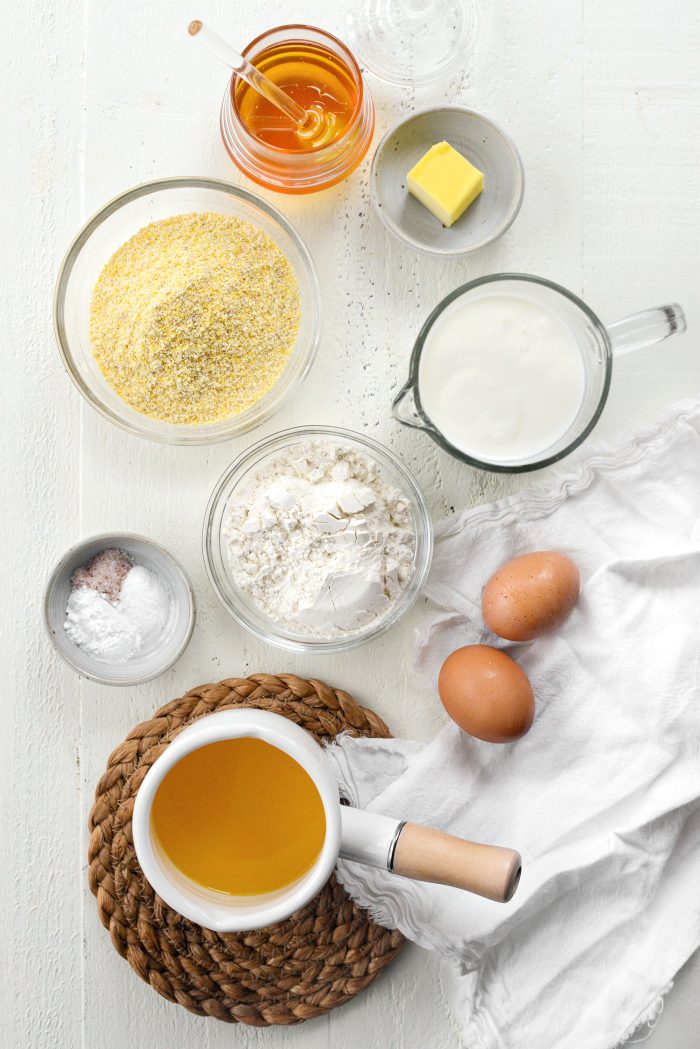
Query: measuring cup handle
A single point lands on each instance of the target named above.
(426, 854)
(646, 328)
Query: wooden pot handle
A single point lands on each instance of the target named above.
(427, 854)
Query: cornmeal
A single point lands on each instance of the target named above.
(194, 318)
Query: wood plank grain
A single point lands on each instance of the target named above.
(40, 946)
(641, 228)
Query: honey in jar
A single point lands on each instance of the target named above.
(320, 74)
(315, 78)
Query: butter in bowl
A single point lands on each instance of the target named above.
(447, 181)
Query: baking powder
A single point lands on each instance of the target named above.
(320, 542)
(116, 630)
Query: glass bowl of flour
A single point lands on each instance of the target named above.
(317, 538)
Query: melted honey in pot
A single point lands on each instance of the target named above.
(239, 816)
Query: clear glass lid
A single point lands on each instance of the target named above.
(412, 41)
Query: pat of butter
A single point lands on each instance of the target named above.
(445, 182)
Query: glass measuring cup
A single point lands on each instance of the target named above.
(597, 343)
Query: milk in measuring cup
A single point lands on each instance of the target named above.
(500, 377)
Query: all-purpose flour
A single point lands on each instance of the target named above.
(319, 541)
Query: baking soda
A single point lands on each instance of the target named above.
(115, 609)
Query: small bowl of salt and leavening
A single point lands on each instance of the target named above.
(119, 609)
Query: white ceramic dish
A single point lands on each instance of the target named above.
(207, 907)
(483, 143)
(166, 648)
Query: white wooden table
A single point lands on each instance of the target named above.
(603, 99)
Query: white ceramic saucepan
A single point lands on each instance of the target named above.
(379, 841)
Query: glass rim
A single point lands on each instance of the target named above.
(431, 428)
(171, 433)
(352, 65)
(272, 634)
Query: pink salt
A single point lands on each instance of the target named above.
(105, 573)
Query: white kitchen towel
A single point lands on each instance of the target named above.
(602, 797)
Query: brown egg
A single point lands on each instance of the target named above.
(530, 595)
(486, 693)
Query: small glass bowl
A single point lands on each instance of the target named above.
(240, 606)
(413, 42)
(164, 651)
(304, 172)
(114, 224)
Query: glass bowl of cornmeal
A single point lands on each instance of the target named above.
(187, 311)
(447, 181)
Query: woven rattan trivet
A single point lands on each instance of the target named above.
(300, 968)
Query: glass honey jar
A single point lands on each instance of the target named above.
(318, 71)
